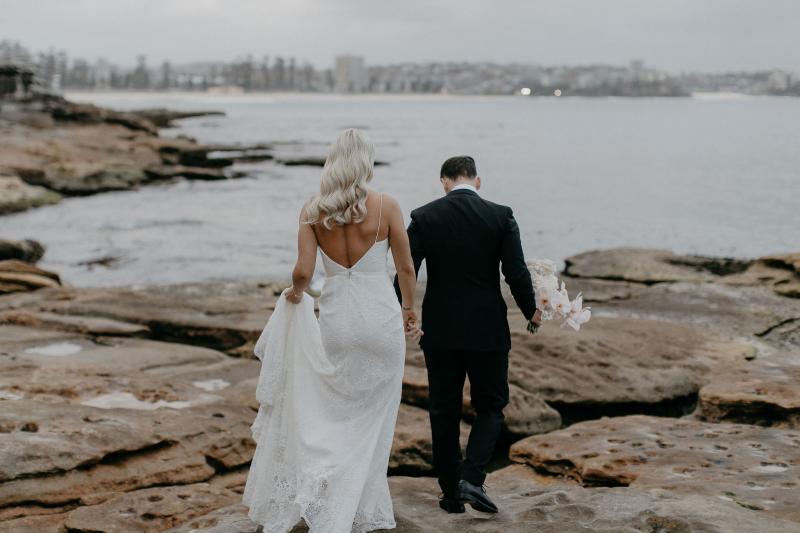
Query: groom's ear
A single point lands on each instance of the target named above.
(478, 182)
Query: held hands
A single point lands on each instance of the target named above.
(535, 322)
(411, 324)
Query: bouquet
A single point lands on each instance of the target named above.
(552, 298)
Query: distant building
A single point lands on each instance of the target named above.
(350, 75)
(16, 81)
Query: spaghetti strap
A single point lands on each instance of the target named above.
(380, 214)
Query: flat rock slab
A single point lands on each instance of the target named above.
(734, 311)
(45, 348)
(86, 325)
(765, 391)
(527, 504)
(57, 453)
(20, 276)
(230, 519)
(223, 316)
(16, 195)
(149, 510)
(649, 266)
(627, 363)
(753, 467)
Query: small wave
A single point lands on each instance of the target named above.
(147, 224)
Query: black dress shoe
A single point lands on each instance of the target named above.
(475, 496)
(451, 504)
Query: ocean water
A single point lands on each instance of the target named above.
(707, 175)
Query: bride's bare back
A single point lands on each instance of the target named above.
(347, 244)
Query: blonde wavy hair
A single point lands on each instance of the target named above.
(342, 197)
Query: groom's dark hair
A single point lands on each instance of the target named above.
(460, 165)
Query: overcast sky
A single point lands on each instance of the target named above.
(676, 35)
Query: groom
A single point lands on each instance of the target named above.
(465, 241)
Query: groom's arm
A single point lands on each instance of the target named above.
(417, 251)
(515, 270)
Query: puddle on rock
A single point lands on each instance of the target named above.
(58, 349)
(211, 384)
(126, 400)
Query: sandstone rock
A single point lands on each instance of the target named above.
(87, 453)
(164, 118)
(44, 523)
(784, 333)
(602, 290)
(223, 316)
(16, 276)
(732, 311)
(231, 519)
(81, 178)
(765, 391)
(66, 350)
(753, 467)
(16, 195)
(618, 366)
(64, 110)
(526, 506)
(781, 272)
(87, 325)
(658, 266)
(26, 250)
(89, 150)
(650, 266)
(149, 510)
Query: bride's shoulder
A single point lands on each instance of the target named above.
(305, 211)
(387, 200)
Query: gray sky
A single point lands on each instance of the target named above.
(677, 35)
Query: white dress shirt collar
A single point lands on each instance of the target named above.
(465, 186)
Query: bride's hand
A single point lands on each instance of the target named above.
(411, 324)
(292, 296)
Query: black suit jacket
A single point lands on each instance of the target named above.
(464, 240)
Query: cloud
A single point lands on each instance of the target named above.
(674, 34)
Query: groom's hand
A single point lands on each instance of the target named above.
(535, 322)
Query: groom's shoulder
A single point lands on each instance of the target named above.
(433, 205)
(443, 202)
(500, 208)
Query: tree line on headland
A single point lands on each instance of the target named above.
(55, 70)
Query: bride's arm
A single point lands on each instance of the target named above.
(403, 262)
(306, 260)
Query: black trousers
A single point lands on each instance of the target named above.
(488, 377)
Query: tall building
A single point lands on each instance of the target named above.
(350, 75)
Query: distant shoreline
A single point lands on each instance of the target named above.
(85, 96)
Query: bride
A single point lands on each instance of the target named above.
(330, 389)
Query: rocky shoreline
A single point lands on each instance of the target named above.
(52, 147)
(676, 409)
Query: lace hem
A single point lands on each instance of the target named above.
(358, 527)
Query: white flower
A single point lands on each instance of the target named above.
(578, 314)
(561, 303)
(553, 299)
(543, 299)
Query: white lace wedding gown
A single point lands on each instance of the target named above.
(329, 392)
